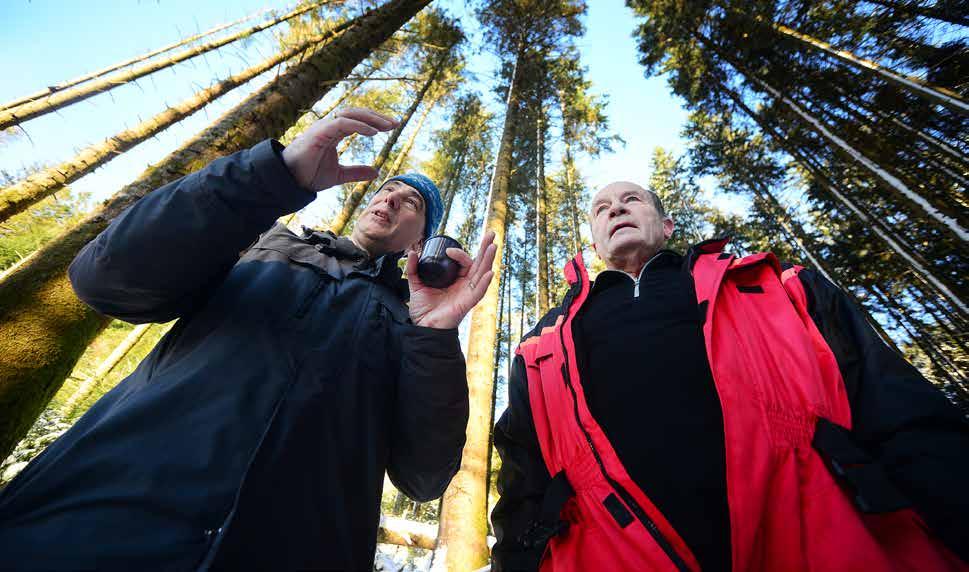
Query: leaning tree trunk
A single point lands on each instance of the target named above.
(44, 328)
(32, 109)
(19, 196)
(93, 75)
(933, 94)
(931, 12)
(939, 284)
(541, 222)
(462, 536)
(886, 179)
(409, 144)
(359, 190)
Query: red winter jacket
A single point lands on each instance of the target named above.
(801, 494)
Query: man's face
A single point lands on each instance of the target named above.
(393, 220)
(626, 225)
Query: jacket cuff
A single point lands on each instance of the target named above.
(432, 342)
(267, 161)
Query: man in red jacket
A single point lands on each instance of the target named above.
(708, 411)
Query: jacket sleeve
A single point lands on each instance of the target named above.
(917, 436)
(522, 479)
(160, 257)
(431, 414)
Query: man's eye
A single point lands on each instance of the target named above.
(632, 198)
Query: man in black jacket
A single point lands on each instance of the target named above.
(645, 375)
(258, 431)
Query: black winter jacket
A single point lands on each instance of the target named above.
(257, 433)
(918, 438)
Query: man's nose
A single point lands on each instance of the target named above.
(392, 200)
(617, 209)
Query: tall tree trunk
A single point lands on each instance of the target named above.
(19, 196)
(106, 367)
(32, 109)
(933, 94)
(942, 286)
(462, 540)
(359, 190)
(44, 328)
(918, 9)
(541, 221)
(87, 77)
(885, 178)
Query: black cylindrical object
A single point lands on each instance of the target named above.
(435, 268)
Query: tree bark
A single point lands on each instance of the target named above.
(44, 328)
(359, 190)
(33, 109)
(462, 536)
(87, 77)
(21, 195)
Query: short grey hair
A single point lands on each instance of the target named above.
(653, 198)
(657, 203)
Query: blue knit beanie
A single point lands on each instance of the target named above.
(433, 205)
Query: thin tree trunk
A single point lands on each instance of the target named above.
(541, 222)
(32, 109)
(930, 12)
(87, 77)
(451, 190)
(21, 195)
(887, 179)
(504, 321)
(933, 94)
(573, 199)
(112, 361)
(915, 261)
(409, 144)
(359, 190)
(462, 536)
(44, 328)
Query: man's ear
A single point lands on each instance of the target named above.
(668, 227)
(596, 250)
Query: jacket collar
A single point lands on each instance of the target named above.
(385, 268)
(663, 259)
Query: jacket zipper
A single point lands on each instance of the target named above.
(654, 530)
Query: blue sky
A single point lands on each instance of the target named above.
(47, 41)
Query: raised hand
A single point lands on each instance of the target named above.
(312, 157)
(446, 307)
